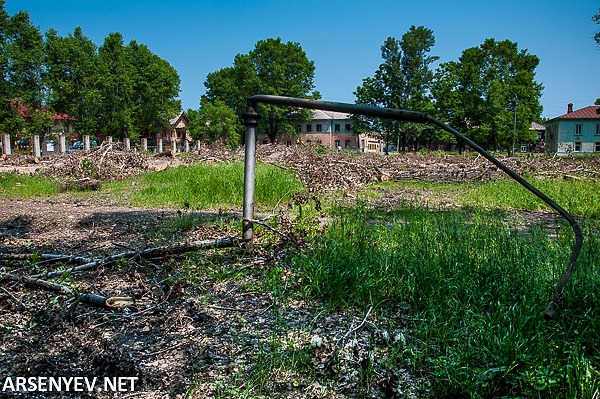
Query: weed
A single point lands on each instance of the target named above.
(477, 284)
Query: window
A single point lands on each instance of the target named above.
(523, 148)
(337, 143)
(319, 142)
(337, 127)
(288, 143)
(319, 127)
(577, 146)
(597, 146)
(597, 130)
(308, 128)
(578, 130)
(299, 128)
(347, 143)
(347, 127)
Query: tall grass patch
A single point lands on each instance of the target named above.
(206, 186)
(476, 286)
(17, 185)
(579, 197)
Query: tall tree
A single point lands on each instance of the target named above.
(21, 51)
(155, 90)
(596, 19)
(272, 67)
(402, 81)
(215, 122)
(72, 78)
(481, 92)
(116, 86)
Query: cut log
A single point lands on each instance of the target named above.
(167, 153)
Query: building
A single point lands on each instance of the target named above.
(176, 131)
(330, 129)
(575, 132)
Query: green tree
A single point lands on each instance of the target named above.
(116, 87)
(480, 93)
(272, 67)
(402, 81)
(596, 19)
(155, 90)
(215, 122)
(21, 52)
(72, 77)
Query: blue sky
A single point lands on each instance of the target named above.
(342, 37)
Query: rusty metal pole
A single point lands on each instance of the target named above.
(420, 117)
(251, 118)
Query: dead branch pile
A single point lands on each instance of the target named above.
(326, 170)
(106, 163)
(318, 168)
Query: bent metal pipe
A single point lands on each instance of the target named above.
(417, 117)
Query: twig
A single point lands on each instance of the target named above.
(15, 298)
(358, 327)
(267, 226)
(225, 308)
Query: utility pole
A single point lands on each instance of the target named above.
(515, 125)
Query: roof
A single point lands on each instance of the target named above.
(537, 126)
(591, 112)
(328, 115)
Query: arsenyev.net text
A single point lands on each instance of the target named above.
(68, 384)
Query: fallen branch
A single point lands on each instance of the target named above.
(266, 226)
(148, 253)
(14, 298)
(89, 299)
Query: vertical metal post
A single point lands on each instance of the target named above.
(251, 118)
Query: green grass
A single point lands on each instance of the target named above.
(579, 197)
(208, 186)
(16, 185)
(476, 286)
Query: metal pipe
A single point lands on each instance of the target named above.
(420, 117)
(251, 118)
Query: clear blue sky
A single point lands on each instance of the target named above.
(342, 37)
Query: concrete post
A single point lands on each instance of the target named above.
(144, 144)
(127, 143)
(6, 145)
(37, 152)
(186, 146)
(174, 146)
(62, 144)
(86, 142)
(198, 144)
(159, 146)
(251, 118)
(109, 139)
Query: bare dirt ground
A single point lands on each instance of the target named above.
(208, 325)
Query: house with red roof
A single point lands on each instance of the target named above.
(576, 132)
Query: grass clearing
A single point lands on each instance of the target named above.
(476, 286)
(207, 186)
(17, 185)
(579, 197)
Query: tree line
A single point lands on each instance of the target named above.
(119, 89)
(490, 93)
(479, 94)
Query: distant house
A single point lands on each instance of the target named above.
(330, 129)
(540, 143)
(575, 132)
(176, 131)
